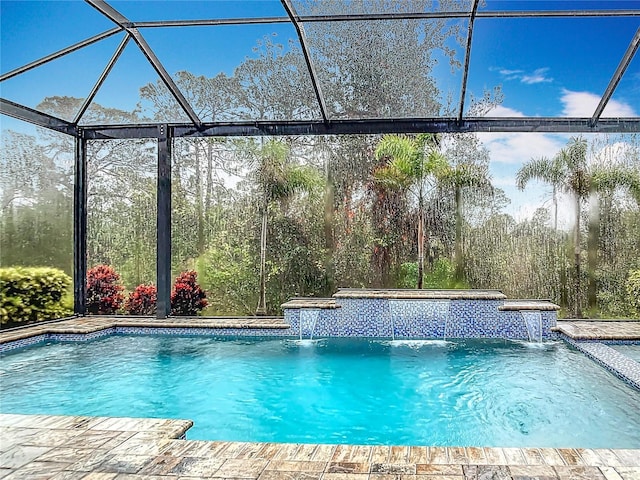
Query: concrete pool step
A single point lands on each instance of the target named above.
(69, 447)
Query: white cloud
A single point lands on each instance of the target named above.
(539, 75)
(504, 71)
(501, 111)
(583, 104)
(517, 148)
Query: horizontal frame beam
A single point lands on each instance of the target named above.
(390, 16)
(371, 127)
(40, 119)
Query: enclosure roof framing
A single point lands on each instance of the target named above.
(328, 122)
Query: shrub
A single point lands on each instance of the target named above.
(32, 294)
(104, 291)
(142, 301)
(187, 298)
(633, 288)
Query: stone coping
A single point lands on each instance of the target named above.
(86, 325)
(67, 447)
(414, 294)
(599, 330)
(538, 305)
(311, 302)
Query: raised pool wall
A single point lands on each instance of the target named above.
(421, 314)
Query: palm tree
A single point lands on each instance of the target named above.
(566, 172)
(457, 178)
(278, 181)
(570, 173)
(412, 163)
(605, 179)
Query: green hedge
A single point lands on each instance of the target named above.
(633, 288)
(32, 294)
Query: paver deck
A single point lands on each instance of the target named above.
(600, 330)
(68, 447)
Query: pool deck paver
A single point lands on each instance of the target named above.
(67, 447)
(600, 330)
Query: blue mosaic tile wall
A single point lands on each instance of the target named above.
(221, 332)
(378, 317)
(84, 337)
(25, 342)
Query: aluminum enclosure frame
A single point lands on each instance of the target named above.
(165, 132)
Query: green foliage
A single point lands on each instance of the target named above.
(442, 275)
(228, 271)
(32, 294)
(633, 289)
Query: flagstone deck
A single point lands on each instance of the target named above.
(68, 447)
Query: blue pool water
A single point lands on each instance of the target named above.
(359, 391)
(631, 351)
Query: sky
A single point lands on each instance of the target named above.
(545, 66)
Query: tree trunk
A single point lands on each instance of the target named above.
(199, 207)
(262, 300)
(555, 210)
(420, 246)
(593, 240)
(459, 272)
(576, 254)
(329, 237)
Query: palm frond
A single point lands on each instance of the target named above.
(542, 169)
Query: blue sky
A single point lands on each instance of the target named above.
(546, 67)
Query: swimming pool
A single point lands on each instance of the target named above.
(631, 350)
(357, 391)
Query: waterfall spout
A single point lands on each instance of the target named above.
(533, 323)
(308, 322)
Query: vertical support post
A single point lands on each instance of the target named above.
(163, 250)
(80, 227)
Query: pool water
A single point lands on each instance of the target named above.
(358, 391)
(632, 351)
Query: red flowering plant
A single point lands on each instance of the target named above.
(142, 301)
(104, 291)
(187, 298)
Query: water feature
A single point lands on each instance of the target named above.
(395, 312)
(447, 317)
(533, 322)
(308, 322)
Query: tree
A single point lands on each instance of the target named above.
(567, 172)
(458, 178)
(278, 180)
(604, 180)
(570, 173)
(412, 166)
